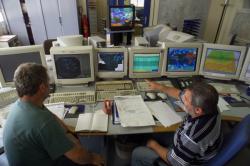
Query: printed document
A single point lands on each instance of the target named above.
(164, 113)
(57, 109)
(133, 111)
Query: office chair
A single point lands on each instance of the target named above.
(235, 141)
(47, 44)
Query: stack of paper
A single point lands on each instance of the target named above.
(133, 111)
(164, 113)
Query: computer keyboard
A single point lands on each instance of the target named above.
(143, 85)
(83, 97)
(7, 95)
(109, 95)
(114, 85)
(225, 88)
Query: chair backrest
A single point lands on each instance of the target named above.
(237, 140)
(47, 44)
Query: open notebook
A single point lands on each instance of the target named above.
(97, 121)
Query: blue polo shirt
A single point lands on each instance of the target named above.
(33, 136)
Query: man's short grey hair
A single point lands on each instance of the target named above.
(204, 96)
(28, 77)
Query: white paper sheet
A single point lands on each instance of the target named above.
(57, 109)
(133, 111)
(223, 105)
(164, 113)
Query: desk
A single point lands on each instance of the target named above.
(234, 114)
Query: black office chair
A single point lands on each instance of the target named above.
(47, 44)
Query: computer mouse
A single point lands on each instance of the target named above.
(163, 96)
(151, 95)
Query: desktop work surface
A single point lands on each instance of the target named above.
(232, 114)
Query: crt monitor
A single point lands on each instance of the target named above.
(181, 59)
(12, 57)
(222, 61)
(71, 40)
(121, 17)
(245, 72)
(145, 62)
(111, 62)
(73, 65)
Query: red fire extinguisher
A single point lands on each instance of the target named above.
(85, 24)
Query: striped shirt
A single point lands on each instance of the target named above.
(197, 140)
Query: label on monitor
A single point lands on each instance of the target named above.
(218, 74)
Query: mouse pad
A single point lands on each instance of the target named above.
(80, 110)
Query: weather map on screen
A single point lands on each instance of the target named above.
(146, 62)
(72, 66)
(221, 61)
(110, 61)
(181, 59)
(248, 71)
(120, 17)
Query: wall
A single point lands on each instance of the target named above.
(175, 11)
(241, 24)
(102, 11)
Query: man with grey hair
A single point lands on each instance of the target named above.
(197, 139)
(35, 136)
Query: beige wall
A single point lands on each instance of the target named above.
(82, 3)
(102, 9)
(214, 16)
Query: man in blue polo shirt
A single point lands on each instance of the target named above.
(197, 139)
(33, 136)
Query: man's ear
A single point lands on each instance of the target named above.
(42, 87)
(198, 111)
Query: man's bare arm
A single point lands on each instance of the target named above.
(171, 91)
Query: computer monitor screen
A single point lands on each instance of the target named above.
(181, 59)
(12, 57)
(222, 61)
(245, 72)
(73, 65)
(121, 17)
(111, 62)
(69, 66)
(145, 62)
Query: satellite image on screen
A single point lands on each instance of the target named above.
(181, 59)
(121, 17)
(146, 62)
(68, 67)
(221, 61)
(110, 61)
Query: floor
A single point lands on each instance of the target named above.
(118, 155)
